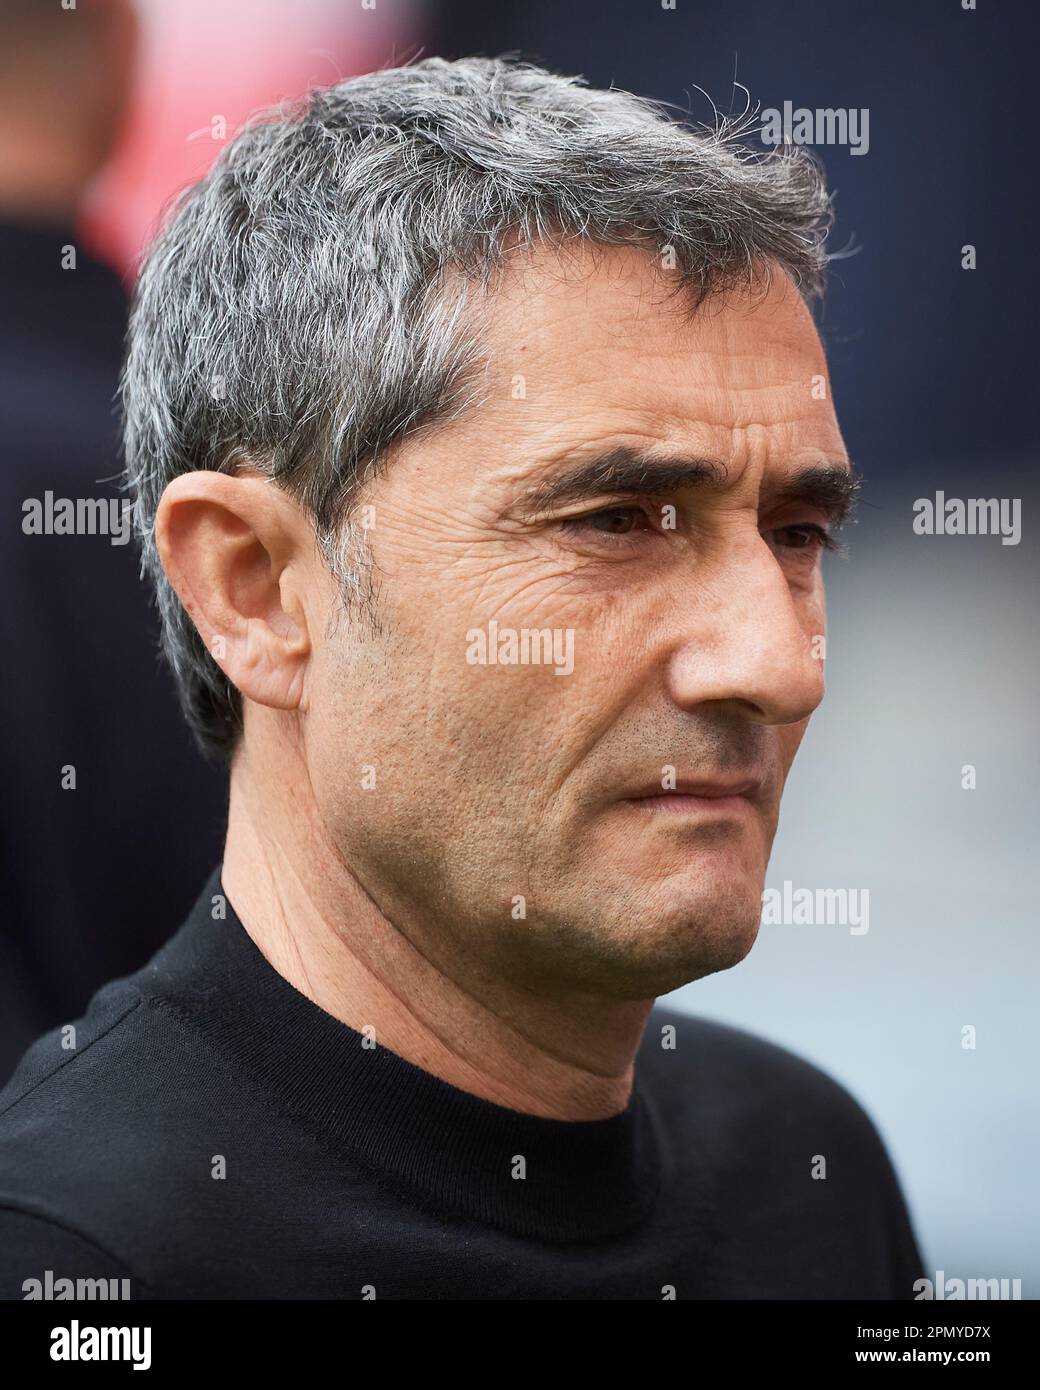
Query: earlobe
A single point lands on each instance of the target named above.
(230, 546)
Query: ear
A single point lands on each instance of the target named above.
(236, 550)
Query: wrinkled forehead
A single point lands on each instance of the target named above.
(560, 302)
(595, 346)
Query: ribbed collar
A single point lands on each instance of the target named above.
(585, 1180)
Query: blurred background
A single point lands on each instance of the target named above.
(107, 109)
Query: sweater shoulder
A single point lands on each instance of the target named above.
(58, 1059)
(79, 1087)
(61, 1101)
(689, 1063)
(42, 1257)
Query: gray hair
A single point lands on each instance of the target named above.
(305, 306)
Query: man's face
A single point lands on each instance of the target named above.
(512, 825)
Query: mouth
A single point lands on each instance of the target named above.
(732, 796)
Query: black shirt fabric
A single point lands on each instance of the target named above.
(212, 1133)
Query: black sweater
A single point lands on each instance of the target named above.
(212, 1133)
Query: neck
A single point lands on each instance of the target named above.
(562, 1058)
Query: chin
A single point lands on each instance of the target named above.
(660, 945)
(696, 948)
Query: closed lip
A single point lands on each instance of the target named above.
(706, 788)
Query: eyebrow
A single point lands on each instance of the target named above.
(830, 487)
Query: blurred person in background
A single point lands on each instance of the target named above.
(96, 771)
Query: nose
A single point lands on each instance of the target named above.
(750, 648)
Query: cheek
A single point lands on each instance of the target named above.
(408, 717)
(358, 727)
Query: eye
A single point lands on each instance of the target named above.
(610, 521)
(807, 536)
